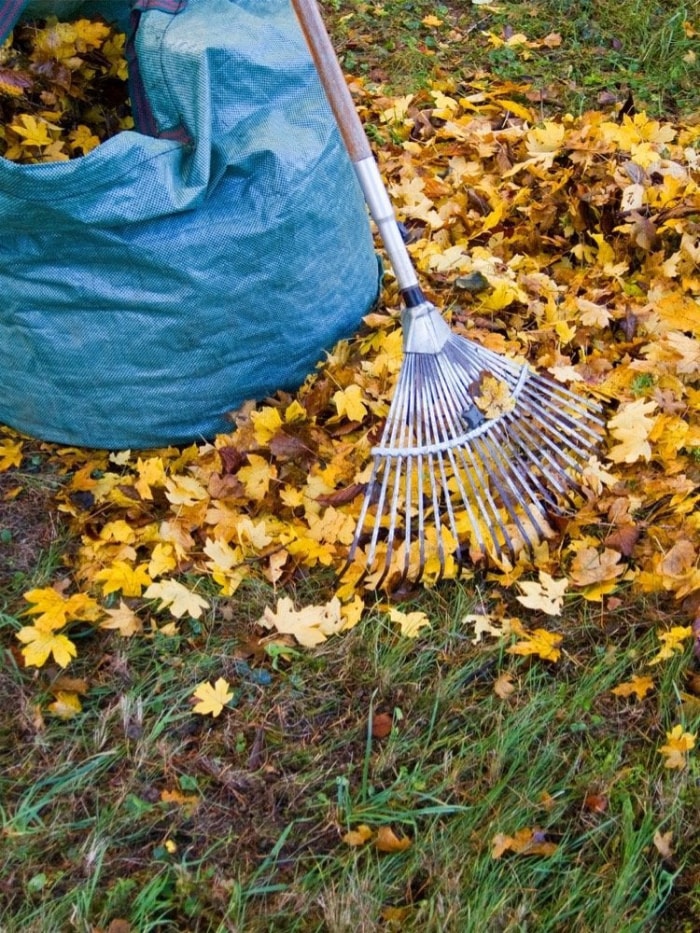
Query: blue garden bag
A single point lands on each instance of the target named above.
(208, 257)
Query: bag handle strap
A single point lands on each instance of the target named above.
(144, 120)
(11, 10)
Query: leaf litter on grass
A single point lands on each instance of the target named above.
(539, 219)
(548, 217)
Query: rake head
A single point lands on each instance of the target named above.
(458, 475)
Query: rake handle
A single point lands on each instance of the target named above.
(357, 145)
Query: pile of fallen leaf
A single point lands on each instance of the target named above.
(573, 243)
(63, 89)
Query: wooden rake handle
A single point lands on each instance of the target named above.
(357, 145)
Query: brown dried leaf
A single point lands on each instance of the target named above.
(662, 842)
(623, 539)
(596, 803)
(381, 725)
(503, 686)
(342, 496)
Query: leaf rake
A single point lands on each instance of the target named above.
(453, 475)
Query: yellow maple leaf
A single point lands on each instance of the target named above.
(151, 474)
(83, 138)
(639, 685)
(687, 349)
(123, 620)
(113, 50)
(257, 476)
(226, 565)
(673, 641)
(40, 644)
(212, 697)
(348, 403)
(310, 625)
(184, 490)
(54, 610)
(267, 422)
(495, 398)
(33, 130)
(67, 705)
(484, 625)
(410, 623)
(592, 314)
(162, 560)
(177, 598)
(547, 595)
(546, 139)
(294, 412)
(10, 454)
(253, 534)
(120, 575)
(89, 34)
(540, 642)
(631, 427)
(118, 530)
(678, 744)
(309, 551)
(638, 132)
(352, 612)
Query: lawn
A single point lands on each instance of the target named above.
(218, 734)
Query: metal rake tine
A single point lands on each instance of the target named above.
(490, 512)
(484, 468)
(515, 483)
(542, 452)
(438, 419)
(393, 438)
(560, 481)
(549, 433)
(558, 392)
(580, 422)
(454, 427)
(502, 484)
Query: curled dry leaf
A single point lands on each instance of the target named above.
(662, 843)
(358, 836)
(524, 842)
(503, 685)
(387, 840)
(382, 724)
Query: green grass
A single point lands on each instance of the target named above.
(138, 810)
(269, 789)
(608, 51)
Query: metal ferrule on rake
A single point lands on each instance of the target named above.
(446, 480)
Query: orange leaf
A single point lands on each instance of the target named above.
(388, 841)
(639, 685)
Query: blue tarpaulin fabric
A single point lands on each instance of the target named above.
(206, 258)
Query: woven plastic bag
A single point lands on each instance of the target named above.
(206, 258)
